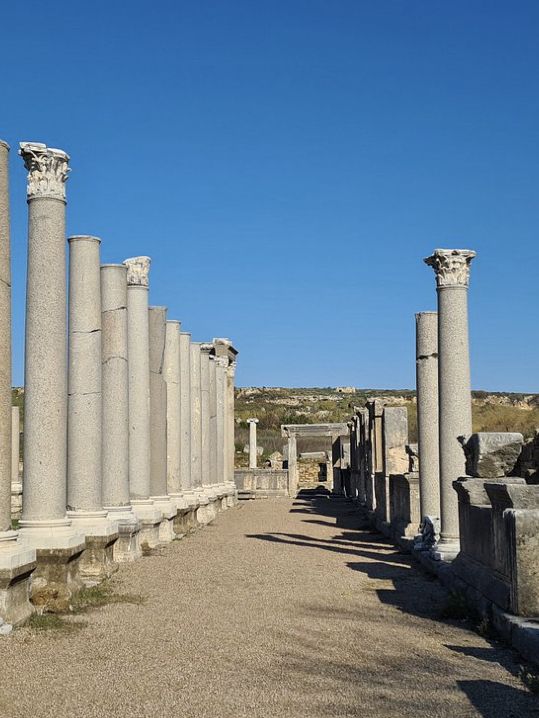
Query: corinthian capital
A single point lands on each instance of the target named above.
(451, 266)
(47, 170)
(138, 271)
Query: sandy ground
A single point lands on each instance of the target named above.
(275, 610)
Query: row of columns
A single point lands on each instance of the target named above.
(128, 423)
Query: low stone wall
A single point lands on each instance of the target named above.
(261, 483)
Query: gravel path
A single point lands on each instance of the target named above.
(275, 610)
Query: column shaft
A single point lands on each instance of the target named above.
(185, 413)
(171, 373)
(214, 477)
(252, 443)
(427, 413)
(5, 344)
(196, 418)
(205, 413)
(84, 436)
(115, 387)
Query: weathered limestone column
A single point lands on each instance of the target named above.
(452, 268)
(44, 522)
(205, 411)
(214, 449)
(427, 415)
(158, 424)
(115, 425)
(220, 390)
(186, 474)
(84, 431)
(16, 482)
(138, 345)
(252, 443)
(16, 561)
(224, 348)
(172, 376)
(293, 464)
(196, 433)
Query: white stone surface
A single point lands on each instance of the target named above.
(185, 419)
(171, 375)
(196, 419)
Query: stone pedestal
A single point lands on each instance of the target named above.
(44, 524)
(84, 435)
(115, 392)
(427, 414)
(452, 268)
(158, 424)
(139, 400)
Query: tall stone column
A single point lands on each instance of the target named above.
(252, 443)
(196, 424)
(16, 561)
(452, 269)
(171, 375)
(231, 421)
(138, 344)
(44, 523)
(158, 423)
(209, 493)
(186, 474)
(293, 465)
(427, 415)
(220, 390)
(84, 434)
(214, 476)
(115, 423)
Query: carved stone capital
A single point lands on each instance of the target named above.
(252, 421)
(451, 266)
(138, 271)
(47, 170)
(207, 348)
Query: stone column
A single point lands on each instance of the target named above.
(252, 443)
(16, 483)
(196, 425)
(44, 522)
(138, 345)
(220, 385)
(115, 423)
(16, 561)
(427, 414)
(157, 317)
(231, 421)
(452, 268)
(171, 375)
(214, 476)
(84, 437)
(186, 475)
(293, 465)
(207, 480)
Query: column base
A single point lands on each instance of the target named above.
(445, 550)
(17, 563)
(168, 513)
(150, 519)
(127, 548)
(97, 562)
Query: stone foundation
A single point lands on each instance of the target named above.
(15, 579)
(127, 548)
(97, 561)
(56, 578)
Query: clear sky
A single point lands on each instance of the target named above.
(288, 163)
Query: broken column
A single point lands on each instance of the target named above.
(157, 317)
(252, 443)
(427, 423)
(115, 424)
(452, 269)
(138, 269)
(84, 438)
(44, 524)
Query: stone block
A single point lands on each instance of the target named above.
(404, 500)
(56, 578)
(491, 454)
(97, 561)
(395, 439)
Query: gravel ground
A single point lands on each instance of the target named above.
(275, 610)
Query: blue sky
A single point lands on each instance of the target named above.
(288, 163)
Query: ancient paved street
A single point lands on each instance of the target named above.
(278, 610)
